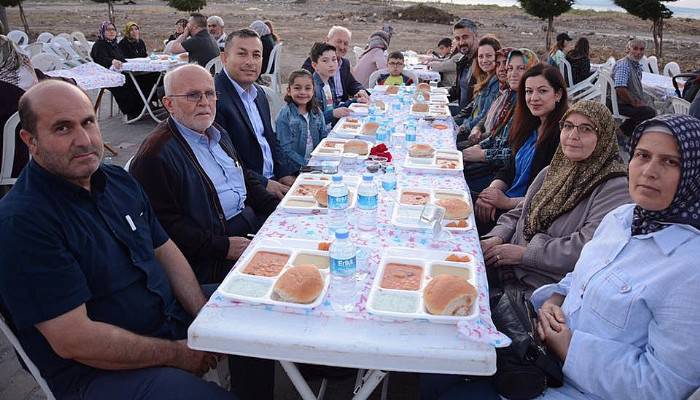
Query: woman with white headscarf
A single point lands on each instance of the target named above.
(268, 41)
(373, 58)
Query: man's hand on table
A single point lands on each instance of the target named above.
(276, 188)
(474, 154)
(196, 362)
(288, 180)
(236, 247)
(117, 64)
(487, 244)
(362, 96)
(341, 112)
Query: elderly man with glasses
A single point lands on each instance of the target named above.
(203, 197)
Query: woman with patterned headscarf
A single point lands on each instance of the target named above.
(107, 52)
(624, 322)
(539, 241)
(15, 67)
(373, 57)
(132, 45)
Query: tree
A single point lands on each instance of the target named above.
(652, 10)
(110, 8)
(22, 16)
(187, 5)
(547, 10)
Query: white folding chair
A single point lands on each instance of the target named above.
(81, 45)
(608, 90)
(30, 365)
(653, 64)
(214, 65)
(65, 48)
(680, 106)
(374, 76)
(46, 62)
(584, 88)
(273, 68)
(64, 35)
(19, 37)
(672, 69)
(44, 37)
(275, 101)
(33, 49)
(8, 150)
(565, 68)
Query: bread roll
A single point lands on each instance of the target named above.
(300, 284)
(380, 104)
(370, 128)
(321, 196)
(454, 208)
(457, 258)
(420, 108)
(423, 86)
(393, 89)
(449, 295)
(421, 150)
(356, 146)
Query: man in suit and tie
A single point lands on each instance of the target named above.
(242, 110)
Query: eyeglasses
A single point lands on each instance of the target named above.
(111, 29)
(196, 97)
(582, 129)
(395, 64)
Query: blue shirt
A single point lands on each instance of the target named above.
(225, 173)
(62, 246)
(632, 304)
(622, 70)
(248, 99)
(523, 162)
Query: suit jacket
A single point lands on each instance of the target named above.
(350, 85)
(232, 116)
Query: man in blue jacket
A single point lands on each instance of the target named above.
(242, 110)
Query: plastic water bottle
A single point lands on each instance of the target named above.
(389, 179)
(420, 98)
(410, 133)
(343, 266)
(421, 125)
(372, 108)
(338, 202)
(367, 202)
(382, 134)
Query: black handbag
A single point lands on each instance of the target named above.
(525, 368)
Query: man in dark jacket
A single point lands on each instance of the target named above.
(202, 196)
(465, 39)
(346, 86)
(242, 110)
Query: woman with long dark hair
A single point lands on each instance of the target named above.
(534, 136)
(580, 60)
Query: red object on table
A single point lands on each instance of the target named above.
(381, 150)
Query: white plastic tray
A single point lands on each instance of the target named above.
(438, 99)
(406, 216)
(304, 203)
(437, 111)
(432, 164)
(238, 285)
(332, 149)
(428, 261)
(341, 132)
(438, 90)
(363, 109)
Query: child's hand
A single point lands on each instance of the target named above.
(341, 112)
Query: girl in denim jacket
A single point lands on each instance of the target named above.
(300, 125)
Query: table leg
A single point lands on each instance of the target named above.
(146, 101)
(369, 382)
(98, 102)
(298, 380)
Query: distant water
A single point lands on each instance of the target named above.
(679, 9)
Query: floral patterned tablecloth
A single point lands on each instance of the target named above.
(91, 76)
(286, 225)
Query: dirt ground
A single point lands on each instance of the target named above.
(299, 23)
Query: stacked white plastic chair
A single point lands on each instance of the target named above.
(672, 69)
(19, 37)
(272, 71)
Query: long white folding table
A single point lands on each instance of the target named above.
(356, 339)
